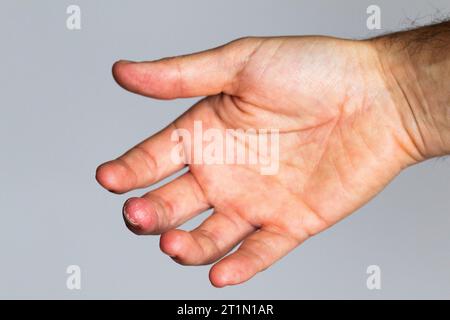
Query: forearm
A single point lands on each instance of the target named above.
(417, 64)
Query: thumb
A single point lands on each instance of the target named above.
(200, 74)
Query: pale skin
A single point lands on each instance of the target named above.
(350, 120)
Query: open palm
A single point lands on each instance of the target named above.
(341, 141)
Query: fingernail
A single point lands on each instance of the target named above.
(130, 220)
(134, 213)
(123, 61)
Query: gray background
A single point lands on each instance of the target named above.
(62, 114)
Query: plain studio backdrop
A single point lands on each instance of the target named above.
(62, 115)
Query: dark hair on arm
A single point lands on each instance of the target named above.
(434, 38)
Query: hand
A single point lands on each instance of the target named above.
(341, 141)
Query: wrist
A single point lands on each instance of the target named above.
(418, 78)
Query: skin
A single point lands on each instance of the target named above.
(346, 130)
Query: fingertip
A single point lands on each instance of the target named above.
(157, 79)
(107, 177)
(227, 273)
(171, 243)
(218, 277)
(133, 76)
(114, 177)
(139, 215)
(118, 69)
